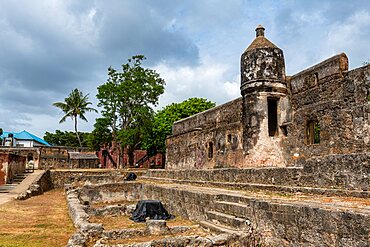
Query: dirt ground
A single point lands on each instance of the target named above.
(39, 221)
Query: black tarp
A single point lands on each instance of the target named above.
(150, 208)
(131, 177)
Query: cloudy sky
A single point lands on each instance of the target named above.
(49, 47)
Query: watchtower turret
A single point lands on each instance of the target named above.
(264, 91)
(262, 66)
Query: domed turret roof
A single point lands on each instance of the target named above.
(260, 41)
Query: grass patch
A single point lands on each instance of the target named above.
(39, 221)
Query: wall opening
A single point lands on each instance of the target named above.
(29, 157)
(313, 132)
(272, 107)
(284, 130)
(316, 78)
(229, 138)
(210, 150)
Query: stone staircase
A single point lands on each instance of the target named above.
(6, 188)
(235, 221)
(284, 206)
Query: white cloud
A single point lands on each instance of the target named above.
(49, 47)
(350, 33)
(207, 80)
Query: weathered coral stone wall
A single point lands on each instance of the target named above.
(11, 165)
(53, 157)
(336, 171)
(326, 93)
(337, 100)
(207, 140)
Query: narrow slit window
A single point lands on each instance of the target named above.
(229, 138)
(272, 107)
(210, 150)
(313, 132)
(316, 78)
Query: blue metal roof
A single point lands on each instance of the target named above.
(25, 135)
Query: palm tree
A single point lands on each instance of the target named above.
(75, 105)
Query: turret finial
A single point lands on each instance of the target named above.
(260, 31)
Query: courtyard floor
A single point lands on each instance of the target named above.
(39, 221)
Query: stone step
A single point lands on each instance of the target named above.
(6, 188)
(239, 199)
(267, 187)
(21, 175)
(232, 221)
(234, 208)
(219, 228)
(17, 179)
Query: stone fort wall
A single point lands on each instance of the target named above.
(335, 98)
(326, 95)
(209, 139)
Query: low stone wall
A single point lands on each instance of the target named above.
(267, 175)
(342, 171)
(61, 177)
(128, 191)
(280, 224)
(347, 171)
(186, 204)
(79, 210)
(183, 241)
(41, 184)
(80, 219)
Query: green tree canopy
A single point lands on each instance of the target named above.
(127, 98)
(75, 106)
(101, 135)
(66, 138)
(164, 119)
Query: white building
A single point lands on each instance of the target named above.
(22, 139)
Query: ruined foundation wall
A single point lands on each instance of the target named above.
(61, 177)
(209, 139)
(335, 98)
(53, 157)
(288, 224)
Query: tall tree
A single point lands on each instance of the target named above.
(75, 106)
(101, 135)
(155, 141)
(127, 98)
